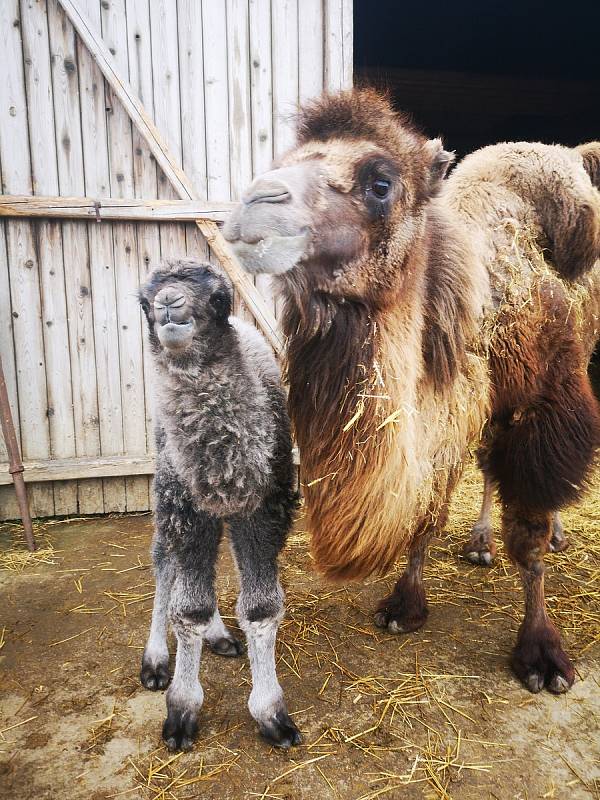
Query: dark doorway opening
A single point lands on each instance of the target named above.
(482, 72)
(479, 72)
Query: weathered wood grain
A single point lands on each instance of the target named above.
(23, 263)
(78, 285)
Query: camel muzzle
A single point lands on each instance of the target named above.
(173, 316)
(269, 230)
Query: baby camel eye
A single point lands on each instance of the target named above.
(380, 188)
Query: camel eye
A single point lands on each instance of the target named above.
(380, 188)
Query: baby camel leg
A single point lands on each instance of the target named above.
(257, 540)
(155, 661)
(538, 659)
(220, 639)
(192, 608)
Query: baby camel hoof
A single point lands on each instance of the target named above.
(231, 648)
(155, 677)
(180, 729)
(539, 662)
(280, 731)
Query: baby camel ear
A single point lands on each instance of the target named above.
(220, 300)
(440, 162)
(145, 304)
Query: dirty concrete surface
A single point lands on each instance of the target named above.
(434, 714)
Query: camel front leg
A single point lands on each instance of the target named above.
(154, 674)
(538, 658)
(405, 609)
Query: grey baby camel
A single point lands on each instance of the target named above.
(224, 455)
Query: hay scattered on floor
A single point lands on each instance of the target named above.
(414, 725)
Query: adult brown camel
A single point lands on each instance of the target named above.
(424, 316)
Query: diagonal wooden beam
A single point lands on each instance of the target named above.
(177, 177)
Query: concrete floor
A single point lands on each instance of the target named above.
(436, 714)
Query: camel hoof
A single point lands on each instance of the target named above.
(180, 729)
(558, 684)
(156, 677)
(483, 558)
(230, 648)
(558, 545)
(540, 662)
(481, 548)
(398, 622)
(280, 731)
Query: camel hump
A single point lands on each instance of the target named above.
(590, 152)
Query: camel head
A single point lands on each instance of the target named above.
(186, 304)
(353, 188)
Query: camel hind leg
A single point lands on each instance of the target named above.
(540, 458)
(538, 659)
(481, 547)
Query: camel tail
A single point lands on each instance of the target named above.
(590, 152)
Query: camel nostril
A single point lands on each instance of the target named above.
(267, 192)
(171, 297)
(268, 198)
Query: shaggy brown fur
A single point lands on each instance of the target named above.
(421, 313)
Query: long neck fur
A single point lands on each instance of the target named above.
(370, 393)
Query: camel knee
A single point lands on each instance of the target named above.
(526, 536)
(259, 605)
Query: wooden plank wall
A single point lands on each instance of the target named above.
(222, 79)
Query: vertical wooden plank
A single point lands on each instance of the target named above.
(347, 44)
(285, 72)
(240, 127)
(48, 240)
(284, 64)
(214, 30)
(149, 256)
(7, 345)
(139, 46)
(139, 50)
(102, 263)
(22, 257)
(261, 102)
(131, 360)
(334, 41)
(238, 80)
(9, 508)
(126, 254)
(310, 49)
(67, 118)
(163, 21)
(167, 113)
(191, 87)
(58, 358)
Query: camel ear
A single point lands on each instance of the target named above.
(145, 304)
(220, 300)
(440, 162)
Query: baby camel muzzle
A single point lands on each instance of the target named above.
(174, 321)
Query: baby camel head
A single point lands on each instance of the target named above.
(350, 193)
(187, 305)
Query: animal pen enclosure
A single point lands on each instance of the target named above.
(92, 198)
